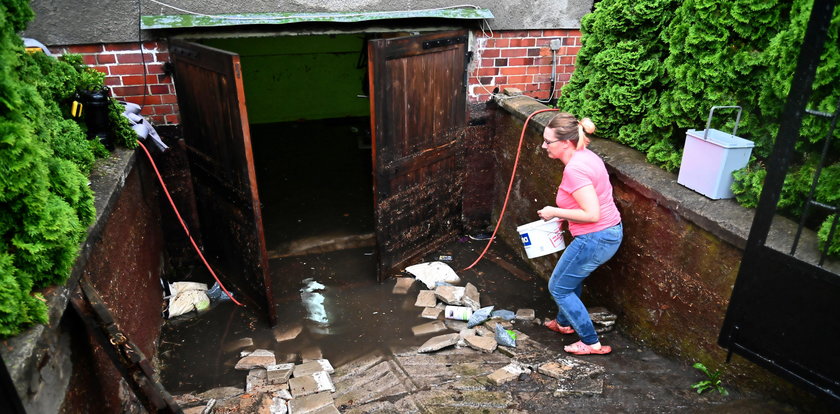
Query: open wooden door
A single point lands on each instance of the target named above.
(418, 112)
(214, 118)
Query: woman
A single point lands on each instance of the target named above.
(585, 200)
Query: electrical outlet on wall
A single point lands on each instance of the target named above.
(554, 44)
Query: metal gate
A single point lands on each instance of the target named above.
(783, 314)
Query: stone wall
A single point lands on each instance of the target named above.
(671, 280)
(58, 367)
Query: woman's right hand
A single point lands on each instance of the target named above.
(547, 213)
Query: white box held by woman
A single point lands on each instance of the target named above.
(541, 237)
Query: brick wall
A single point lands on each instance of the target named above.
(523, 60)
(507, 59)
(122, 65)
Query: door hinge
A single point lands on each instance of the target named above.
(431, 44)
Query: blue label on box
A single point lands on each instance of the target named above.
(526, 241)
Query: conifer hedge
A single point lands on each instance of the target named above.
(46, 204)
(649, 70)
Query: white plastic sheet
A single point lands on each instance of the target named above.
(432, 272)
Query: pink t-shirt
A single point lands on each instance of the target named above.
(583, 169)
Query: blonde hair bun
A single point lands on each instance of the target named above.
(588, 125)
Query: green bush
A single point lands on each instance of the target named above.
(648, 71)
(45, 157)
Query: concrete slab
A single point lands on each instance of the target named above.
(508, 373)
(426, 299)
(278, 406)
(455, 325)
(402, 285)
(428, 328)
(260, 358)
(287, 332)
(312, 367)
(382, 381)
(439, 342)
(471, 297)
(311, 353)
(279, 373)
(311, 384)
(525, 315)
(310, 403)
(451, 295)
(484, 344)
(431, 313)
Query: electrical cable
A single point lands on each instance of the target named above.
(184, 225)
(510, 185)
(142, 52)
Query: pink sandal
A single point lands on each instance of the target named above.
(556, 327)
(580, 348)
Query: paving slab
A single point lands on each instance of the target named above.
(260, 358)
(384, 380)
(426, 299)
(310, 403)
(311, 353)
(402, 285)
(481, 343)
(455, 325)
(439, 342)
(312, 367)
(431, 313)
(508, 373)
(428, 328)
(279, 373)
(285, 333)
(451, 295)
(525, 314)
(471, 297)
(310, 384)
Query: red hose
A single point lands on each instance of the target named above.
(184, 225)
(510, 185)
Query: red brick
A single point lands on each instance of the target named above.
(172, 119)
(89, 60)
(500, 80)
(159, 89)
(517, 33)
(162, 109)
(538, 69)
(488, 62)
(487, 71)
(572, 50)
(153, 99)
(127, 90)
(106, 58)
(567, 60)
(127, 70)
(84, 48)
(501, 62)
(536, 33)
(113, 81)
(498, 43)
(156, 68)
(138, 79)
(520, 79)
(103, 69)
(566, 68)
(135, 58)
(544, 51)
(169, 98)
(544, 61)
(490, 53)
(520, 61)
(514, 70)
(568, 41)
(533, 52)
(563, 77)
(156, 119)
(554, 33)
(514, 52)
(119, 47)
(527, 42)
(162, 56)
(487, 80)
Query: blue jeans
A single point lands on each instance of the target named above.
(584, 254)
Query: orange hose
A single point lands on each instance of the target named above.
(510, 185)
(184, 225)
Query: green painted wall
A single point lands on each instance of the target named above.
(300, 77)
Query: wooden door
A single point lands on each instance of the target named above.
(418, 114)
(214, 118)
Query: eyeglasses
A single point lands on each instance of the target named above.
(547, 142)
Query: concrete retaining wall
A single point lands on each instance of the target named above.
(671, 280)
(58, 367)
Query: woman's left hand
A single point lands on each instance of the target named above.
(548, 213)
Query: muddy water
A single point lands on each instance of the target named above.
(344, 313)
(316, 190)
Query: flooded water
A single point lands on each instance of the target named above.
(316, 190)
